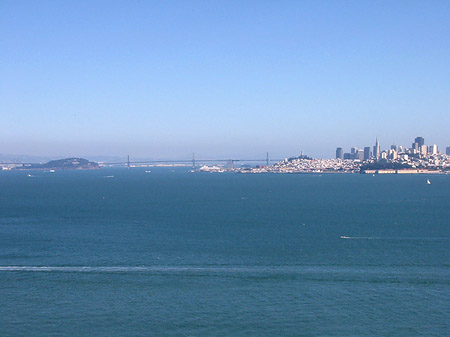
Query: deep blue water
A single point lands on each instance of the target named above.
(181, 254)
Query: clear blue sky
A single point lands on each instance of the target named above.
(164, 79)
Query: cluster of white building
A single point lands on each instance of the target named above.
(294, 165)
(212, 169)
(305, 165)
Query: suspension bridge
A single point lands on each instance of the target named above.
(194, 161)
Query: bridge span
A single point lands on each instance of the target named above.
(192, 161)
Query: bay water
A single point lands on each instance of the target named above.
(122, 252)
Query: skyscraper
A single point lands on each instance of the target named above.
(360, 155)
(339, 153)
(447, 150)
(420, 141)
(366, 152)
(433, 149)
(376, 150)
(423, 150)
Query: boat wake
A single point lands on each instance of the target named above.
(343, 273)
(128, 269)
(356, 237)
(428, 238)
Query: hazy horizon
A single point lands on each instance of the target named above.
(177, 155)
(221, 79)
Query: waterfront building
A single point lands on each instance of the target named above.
(339, 153)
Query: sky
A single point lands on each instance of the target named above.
(222, 79)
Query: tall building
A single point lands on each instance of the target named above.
(447, 150)
(394, 147)
(339, 153)
(366, 153)
(423, 150)
(420, 141)
(360, 155)
(392, 154)
(376, 150)
(433, 149)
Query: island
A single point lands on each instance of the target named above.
(62, 164)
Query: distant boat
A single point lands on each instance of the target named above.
(428, 182)
(148, 171)
(52, 171)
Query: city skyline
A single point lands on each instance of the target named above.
(418, 147)
(221, 79)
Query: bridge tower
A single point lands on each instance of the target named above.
(267, 159)
(193, 160)
(128, 161)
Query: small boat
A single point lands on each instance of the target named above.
(52, 171)
(428, 182)
(148, 171)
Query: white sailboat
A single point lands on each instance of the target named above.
(428, 182)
